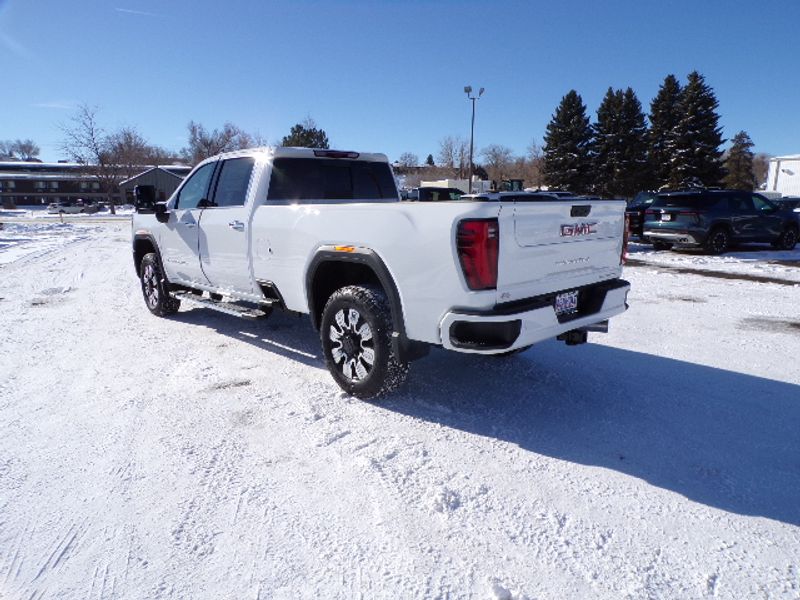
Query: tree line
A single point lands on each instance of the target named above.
(622, 152)
(112, 156)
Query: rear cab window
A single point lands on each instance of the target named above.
(319, 180)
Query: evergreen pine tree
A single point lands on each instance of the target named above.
(606, 146)
(429, 160)
(567, 162)
(306, 135)
(739, 164)
(697, 136)
(634, 173)
(619, 147)
(664, 117)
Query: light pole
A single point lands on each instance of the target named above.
(468, 91)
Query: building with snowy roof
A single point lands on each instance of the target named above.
(39, 183)
(164, 179)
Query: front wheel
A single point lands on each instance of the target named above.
(154, 288)
(787, 240)
(356, 342)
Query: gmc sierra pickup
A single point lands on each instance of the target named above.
(324, 233)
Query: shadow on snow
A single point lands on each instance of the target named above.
(724, 439)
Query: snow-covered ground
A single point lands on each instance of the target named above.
(759, 261)
(208, 457)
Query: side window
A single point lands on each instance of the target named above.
(741, 203)
(233, 181)
(195, 188)
(761, 204)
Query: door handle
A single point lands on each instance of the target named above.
(188, 224)
(237, 225)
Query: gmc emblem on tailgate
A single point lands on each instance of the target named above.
(575, 229)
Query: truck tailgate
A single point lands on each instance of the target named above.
(548, 246)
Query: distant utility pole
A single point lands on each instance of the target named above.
(468, 91)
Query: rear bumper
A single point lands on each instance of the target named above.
(522, 323)
(687, 237)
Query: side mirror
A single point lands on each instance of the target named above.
(161, 211)
(144, 198)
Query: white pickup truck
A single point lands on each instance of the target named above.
(324, 233)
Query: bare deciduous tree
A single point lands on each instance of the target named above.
(19, 150)
(454, 154)
(761, 168)
(407, 159)
(497, 160)
(203, 143)
(87, 143)
(108, 157)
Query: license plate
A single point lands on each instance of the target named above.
(666, 217)
(567, 303)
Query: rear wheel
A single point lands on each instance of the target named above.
(662, 245)
(154, 288)
(356, 342)
(718, 241)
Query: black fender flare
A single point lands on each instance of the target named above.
(148, 237)
(369, 258)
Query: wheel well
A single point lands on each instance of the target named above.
(332, 275)
(141, 246)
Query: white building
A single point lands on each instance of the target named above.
(784, 175)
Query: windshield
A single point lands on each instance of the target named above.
(643, 199)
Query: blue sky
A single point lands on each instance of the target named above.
(386, 76)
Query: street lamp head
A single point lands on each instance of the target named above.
(480, 93)
(468, 89)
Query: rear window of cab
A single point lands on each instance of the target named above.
(307, 180)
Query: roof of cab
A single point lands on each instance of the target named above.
(286, 152)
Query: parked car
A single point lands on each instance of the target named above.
(323, 233)
(87, 208)
(716, 219)
(63, 207)
(435, 194)
(636, 212)
(789, 202)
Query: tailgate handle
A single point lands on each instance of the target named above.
(580, 210)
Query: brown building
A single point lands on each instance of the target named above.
(39, 183)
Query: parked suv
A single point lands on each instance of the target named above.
(715, 219)
(636, 212)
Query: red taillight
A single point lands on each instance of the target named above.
(478, 241)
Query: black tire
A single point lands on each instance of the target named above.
(718, 241)
(787, 240)
(356, 329)
(662, 245)
(154, 288)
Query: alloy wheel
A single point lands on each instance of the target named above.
(150, 286)
(353, 349)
